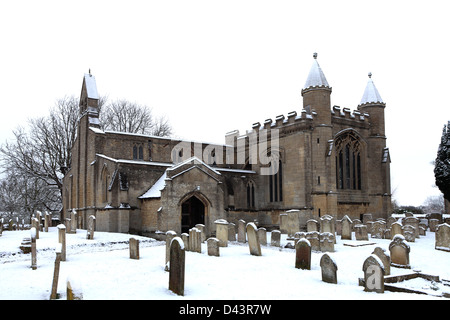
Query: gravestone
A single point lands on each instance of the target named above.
(213, 247)
(241, 231)
(177, 266)
(201, 227)
(303, 254)
(396, 228)
(275, 237)
(293, 222)
(326, 242)
(185, 238)
(262, 235)
(433, 224)
(312, 225)
(399, 252)
(409, 232)
(62, 240)
(346, 228)
(390, 221)
(33, 249)
(385, 259)
(361, 232)
(53, 294)
(283, 223)
(231, 232)
(25, 246)
(442, 237)
(378, 228)
(437, 216)
(222, 232)
(68, 224)
(195, 240)
(412, 221)
(134, 248)
(34, 224)
(367, 217)
(253, 240)
(73, 221)
(314, 239)
(373, 274)
(169, 236)
(355, 222)
(46, 222)
(329, 269)
(327, 224)
(422, 231)
(387, 234)
(91, 228)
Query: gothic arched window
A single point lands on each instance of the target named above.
(348, 161)
(250, 194)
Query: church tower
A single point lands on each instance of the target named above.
(321, 181)
(378, 155)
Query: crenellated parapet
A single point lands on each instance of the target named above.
(346, 113)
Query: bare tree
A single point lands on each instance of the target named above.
(42, 152)
(125, 116)
(434, 204)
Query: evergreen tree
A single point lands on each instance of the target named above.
(442, 163)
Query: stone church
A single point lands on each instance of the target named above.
(319, 159)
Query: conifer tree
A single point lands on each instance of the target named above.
(442, 163)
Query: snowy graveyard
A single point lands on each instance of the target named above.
(101, 268)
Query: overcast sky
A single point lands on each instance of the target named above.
(215, 66)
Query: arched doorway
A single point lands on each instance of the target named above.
(192, 213)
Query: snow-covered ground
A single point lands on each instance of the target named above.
(103, 270)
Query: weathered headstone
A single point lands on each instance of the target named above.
(213, 247)
(195, 240)
(177, 266)
(46, 222)
(201, 227)
(303, 254)
(25, 246)
(378, 228)
(396, 228)
(62, 240)
(134, 248)
(35, 224)
(329, 269)
(169, 236)
(242, 237)
(399, 252)
(442, 237)
(91, 228)
(373, 274)
(222, 232)
(73, 221)
(275, 237)
(185, 238)
(409, 232)
(231, 232)
(367, 217)
(293, 222)
(433, 223)
(253, 240)
(385, 259)
(283, 222)
(327, 224)
(314, 239)
(53, 294)
(412, 221)
(33, 249)
(346, 228)
(361, 232)
(312, 225)
(326, 242)
(262, 235)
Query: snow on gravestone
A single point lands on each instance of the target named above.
(399, 250)
(373, 274)
(303, 254)
(222, 232)
(329, 269)
(177, 266)
(253, 240)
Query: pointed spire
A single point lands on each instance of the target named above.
(316, 78)
(371, 94)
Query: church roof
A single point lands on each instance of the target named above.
(316, 77)
(155, 190)
(371, 94)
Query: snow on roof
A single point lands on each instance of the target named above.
(194, 159)
(91, 86)
(155, 190)
(147, 163)
(371, 94)
(316, 77)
